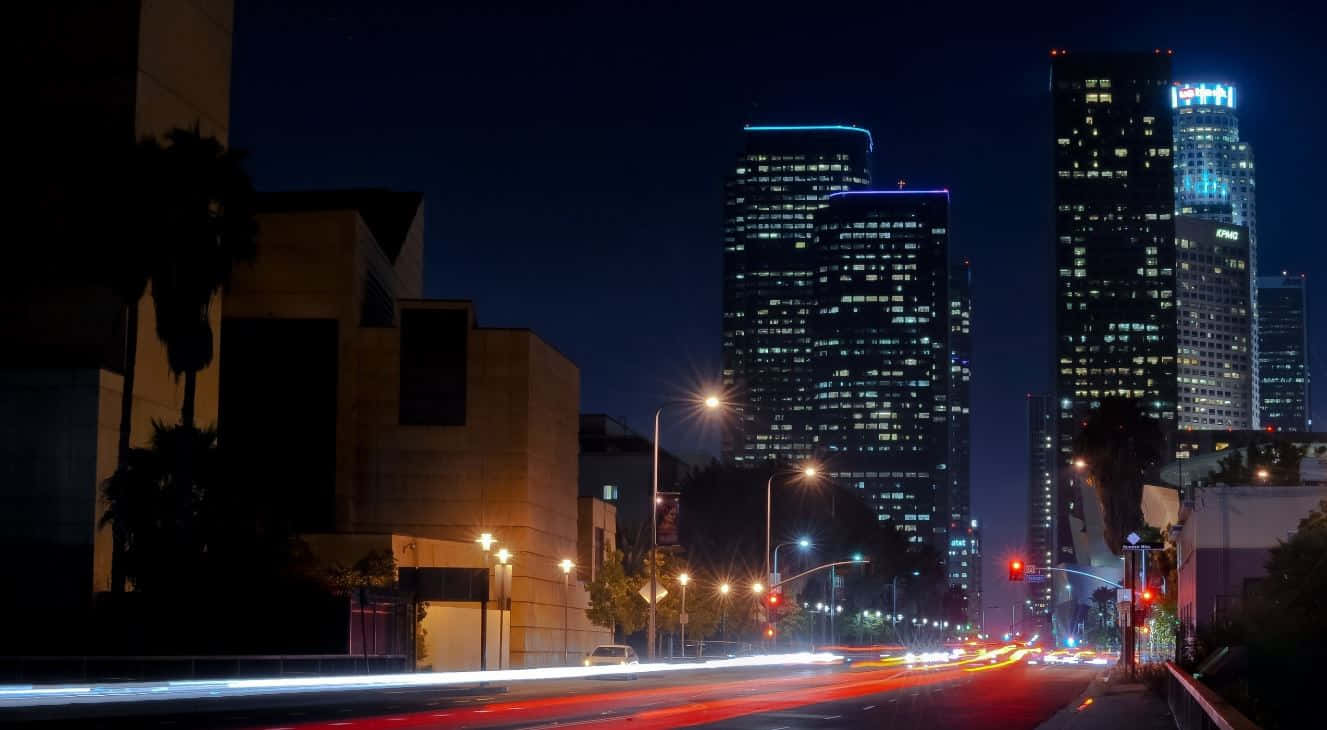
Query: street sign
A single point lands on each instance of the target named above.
(1035, 577)
(659, 592)
(1146, 546)
(684, 619)
(1123, 595)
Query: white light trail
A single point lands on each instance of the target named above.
(48, 695)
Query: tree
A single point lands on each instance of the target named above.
(125, 208)
(1118, 443)
(205, 203)
(1273, 464)
(614, 602)
(165, 546)
(1295, 589)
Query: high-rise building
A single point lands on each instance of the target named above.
(782, 177)
(1214, 325)
(1114, 259)
(881, 354)
(1283, 330)
(1041, 463)
(1214, 174)
(960, 422)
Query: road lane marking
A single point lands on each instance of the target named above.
(868, 707)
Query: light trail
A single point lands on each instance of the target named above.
(12, 696)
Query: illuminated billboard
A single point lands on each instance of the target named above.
(1202, 95)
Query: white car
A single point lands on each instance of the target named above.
(606, 655)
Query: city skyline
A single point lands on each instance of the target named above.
(500, 135)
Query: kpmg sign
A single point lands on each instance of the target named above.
(1202, 95)
(1230, 234)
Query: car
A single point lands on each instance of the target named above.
(606, 655)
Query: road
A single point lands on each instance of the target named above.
(973, 695)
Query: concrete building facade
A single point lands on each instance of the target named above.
(431, 426)
(1223, 543)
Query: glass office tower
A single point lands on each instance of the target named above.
(961, 565)
(1114, 274)
(1284, 329)
(881, 357)
(1214, 175)
(782, 176)
(1041, 462)
(1215, 329)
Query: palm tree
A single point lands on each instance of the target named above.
(1118, 443)
(207, 215)
(164, 545)
(129, 265)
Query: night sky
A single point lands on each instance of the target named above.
(572, 158)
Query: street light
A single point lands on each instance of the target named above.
(1263, 474)
(724, 588)
(757, 588)
(1080, 464)
(486, 542)
(684, 579)
(711, 402)
(566, 566)
(504, 582)
(803, 543)
(808, 471)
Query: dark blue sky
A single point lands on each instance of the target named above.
(572, 157)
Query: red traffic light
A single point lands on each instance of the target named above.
(774, 599)
(769, 632)
(1148, 595)
(1016, 570)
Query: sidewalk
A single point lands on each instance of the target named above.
(1109, 705)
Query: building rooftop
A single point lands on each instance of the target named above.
(388, 213)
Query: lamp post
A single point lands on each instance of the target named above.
(566, 566)
(504, 582)
(684, 579)
(802, 543)
(710, 402)
(724, 588)
(486, 542)
(809, 471)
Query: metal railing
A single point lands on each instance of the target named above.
(133, 668)
(1196, 707)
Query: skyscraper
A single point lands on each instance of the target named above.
(960, 423)
(1214, 175)
(782, 177)
(1041, 495)
(1283, 329)
(881, 354)
(1114, 254)
(1214, 325)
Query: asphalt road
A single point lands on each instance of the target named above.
(1008, 695)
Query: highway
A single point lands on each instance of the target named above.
(997, 689)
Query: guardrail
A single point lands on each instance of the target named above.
(1196, 707)
(132, 668)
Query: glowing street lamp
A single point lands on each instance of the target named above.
(684, 579)
(504, 582)
(711, 402)
(566, 566)
(757, 588)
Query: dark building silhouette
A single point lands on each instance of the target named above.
(1284, 353)
(1114, 254)
(881, 357)
(616, 465)
(781, 177)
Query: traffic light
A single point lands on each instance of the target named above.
(1016, 570)
(774, 600)
(769, 631)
